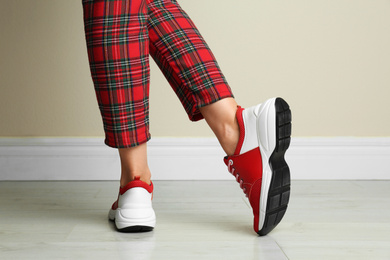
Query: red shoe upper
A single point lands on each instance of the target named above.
(247, 168)
(137, 183)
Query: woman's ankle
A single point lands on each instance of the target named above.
(228, 138)
(134, 163)
(221, 117)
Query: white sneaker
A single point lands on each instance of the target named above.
(258, 162)
(133, 211)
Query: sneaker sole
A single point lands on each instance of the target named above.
(135, 229)
(131, 226)
(126, 225)
(275, 190)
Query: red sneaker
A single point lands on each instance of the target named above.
(258, 162)
(133, 211)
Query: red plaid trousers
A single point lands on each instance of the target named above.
(120, 35)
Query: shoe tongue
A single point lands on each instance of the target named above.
(137, 178)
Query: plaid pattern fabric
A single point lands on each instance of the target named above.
(120, 35)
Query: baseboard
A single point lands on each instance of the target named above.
(342, 158)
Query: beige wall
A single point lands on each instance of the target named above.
(329, 59)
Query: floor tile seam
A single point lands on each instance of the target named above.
(281, 249)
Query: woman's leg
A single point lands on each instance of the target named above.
(184, 57)
(118, 49)
(192, 70)
(255, 139)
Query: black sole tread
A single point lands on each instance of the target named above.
(135, 229)
(279, 191)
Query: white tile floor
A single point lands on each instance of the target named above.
(195, 220)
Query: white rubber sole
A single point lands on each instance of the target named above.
(131, 219)
(273, 123)
(266, 135)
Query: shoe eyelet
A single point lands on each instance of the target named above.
(230, 168)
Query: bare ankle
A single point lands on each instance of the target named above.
(228, 138)
(134, 163)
